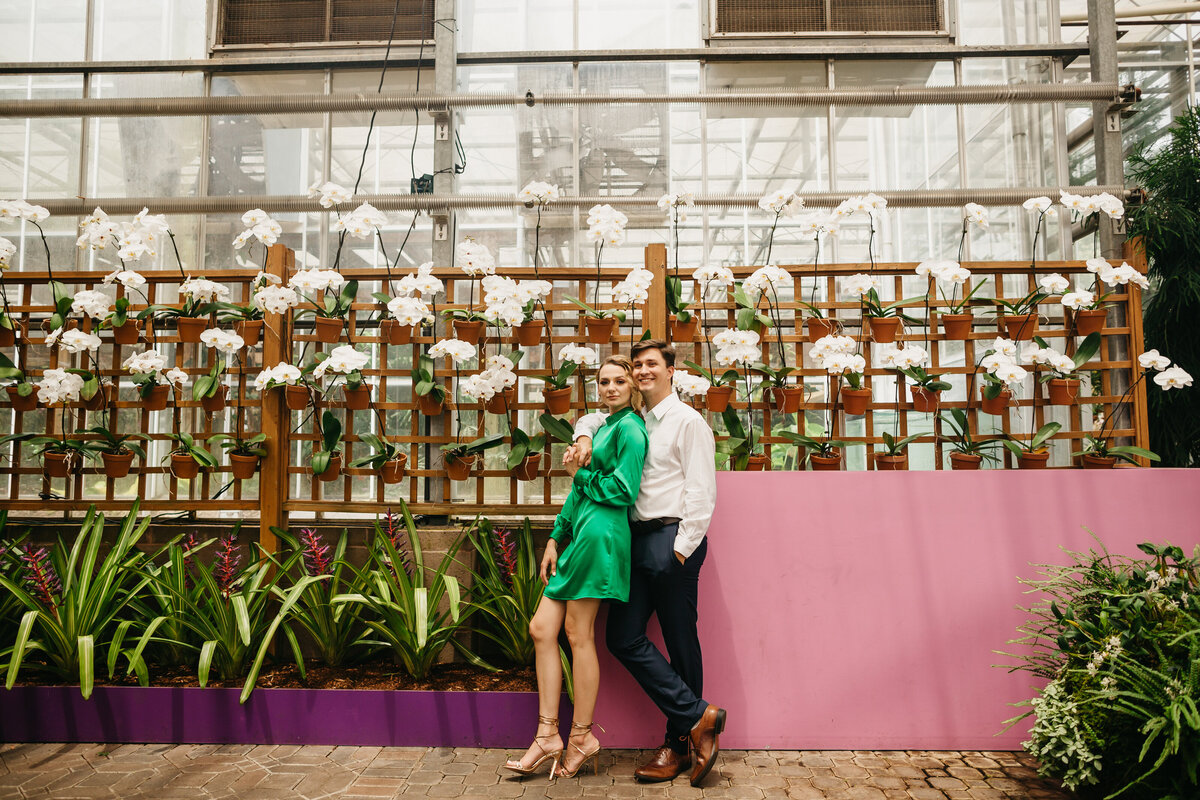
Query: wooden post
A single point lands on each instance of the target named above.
(654, 314)
(273, 478)
(1135, 254)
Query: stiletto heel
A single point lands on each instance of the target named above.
(592, 755)
(554, 756)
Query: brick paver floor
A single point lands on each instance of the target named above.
(263, 772)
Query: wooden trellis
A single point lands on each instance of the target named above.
(285, 485)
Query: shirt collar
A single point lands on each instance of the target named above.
(665, 405)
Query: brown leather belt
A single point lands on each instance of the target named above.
(650, 525)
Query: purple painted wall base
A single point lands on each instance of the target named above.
(270, 716)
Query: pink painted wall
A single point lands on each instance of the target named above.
(862, 610)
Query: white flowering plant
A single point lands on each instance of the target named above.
(572, 357)
(227, 344)
(477, 262)
(1060, 365)
(267, 295)
(133, 282)
(1000, 366)
(725, 378)
(345, 362)
(148, 369)
(910, 361)
(198, 297)
(330, 295)
(839, 356)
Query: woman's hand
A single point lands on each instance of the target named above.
(549, 561)
(572, 462)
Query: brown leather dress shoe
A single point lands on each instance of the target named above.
(705, 737)
(665, 766)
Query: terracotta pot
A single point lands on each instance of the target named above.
(190, 328)
(957, 326)
(468, 332)
(243, 467)
(459, 467)
(156, 400)
(393, 333)
(830, 463)
(127, 333)
(558, 401)
(250, 330)
(217, 402)
(393, 471)
(965, 461)
(328, 329)
(717, 398)
(924, 400)
(1021, 327)
(1035, 460)
(334, 470)
(599, 331)
(1090, 320)
(994, 405)
(528, 469)
(357, 399)
(22, 404)
(502, 402)
(295, 397)
(1093, 461)
(757, 463)
(682, 332)
(1063, 391)
(68, 325)
(116, 465)
(8, 337)
(430, 407)
(891, 463)
(818, 328)
(855, 401)
(100, 399)
(529, 334)
(883, 329)
(184, 467)
(787, 399)
(56, 465)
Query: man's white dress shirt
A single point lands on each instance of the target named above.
(679, 478)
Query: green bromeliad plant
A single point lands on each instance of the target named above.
(1118, 639)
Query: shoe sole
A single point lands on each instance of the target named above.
(712, 759)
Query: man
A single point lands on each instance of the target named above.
(668, 522)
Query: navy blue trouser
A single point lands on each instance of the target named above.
(660, 585)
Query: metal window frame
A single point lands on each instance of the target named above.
(712, 31)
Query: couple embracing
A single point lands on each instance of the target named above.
(632, 531)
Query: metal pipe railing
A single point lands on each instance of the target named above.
(279, 204)
(357, 102)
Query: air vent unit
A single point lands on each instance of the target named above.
(268, 22)
(809, 17)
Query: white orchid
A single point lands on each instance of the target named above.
(992, 361)
(583, 356)
(1040, 204)
(1152, 359)
(905, 357)
(19, 209)
(689, 385)
(708, 277)
(410, 311)
(955, 274)
(817, 225)
(1010, 373)
(477, 388)
(127, 278)
(1005, 347)
(975, 214)
(765, 278)
(1077, 300)
(539, 193)
(282, 374)
(346, 359)
(934, 268)
(317, 280)
(606, 225)
(782, 202)
(1054, 284)
(258, 226)
(860, 284)
(474, 259)
(1062, 365)
(1036, 354)
(531, 290)
(679, 201)
(7, 251)
(203, 290)
(737, 347)
(362, 222)
(456, 349)
(275, 299)
(58, 386)
(331, 194)
(91, 303)
(145, 363)
(1173, 378)
(843, 363)
(226, 342)
(176, 376)
(832, 345)
(74, 341)
(421, 282)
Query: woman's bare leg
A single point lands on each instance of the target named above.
(585, 670)
(544, 627)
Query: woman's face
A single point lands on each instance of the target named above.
(616, 387)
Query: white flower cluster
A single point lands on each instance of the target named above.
(501, 298)
(635, 289)
(817, 225)
(127, 278)
(870, 204)
(1054, 284)
(421, 282)
(1159, 582)
(606, 225)
(975, 214)
(495, 378)
(1170, 377)
(331, 194)
(282, 374)
(680, 202)
(944, 270)
(474, 259)
(258, 226)
(7, 250)
(134, 239)
(11, 210)
(782, 202)
(1039, 204)
(689, 385)
(583, 356)
(344, 359)
(539, 193)
(456, 349)
(58, 386)
(860, 285)
(317, 280)
(203, 290)
(708, 277)
(904, 357)
(275, 299)
(226, 342)
(91, 303)
(73, 341)
(736, 347)
(1116, 276)
(1000, 361)
(409, 311)
(361, 222)
(145, 363)
(1048, 357)
(1078, 300)
(765, 278)
(837, 355)
(1093, 204)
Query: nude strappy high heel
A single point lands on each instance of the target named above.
(593, 756)
(553, 755)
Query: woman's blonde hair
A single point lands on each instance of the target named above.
(622, 361)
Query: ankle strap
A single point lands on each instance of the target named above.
(548, 720)
(575, 726)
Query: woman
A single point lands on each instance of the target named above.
(593, 531)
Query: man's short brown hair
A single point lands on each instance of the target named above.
(661, 345)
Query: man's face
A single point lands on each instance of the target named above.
(651, 372)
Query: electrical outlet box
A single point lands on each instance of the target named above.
(422, 185)
(441, 130)
(441, 230)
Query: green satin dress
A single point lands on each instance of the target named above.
(594, 522)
